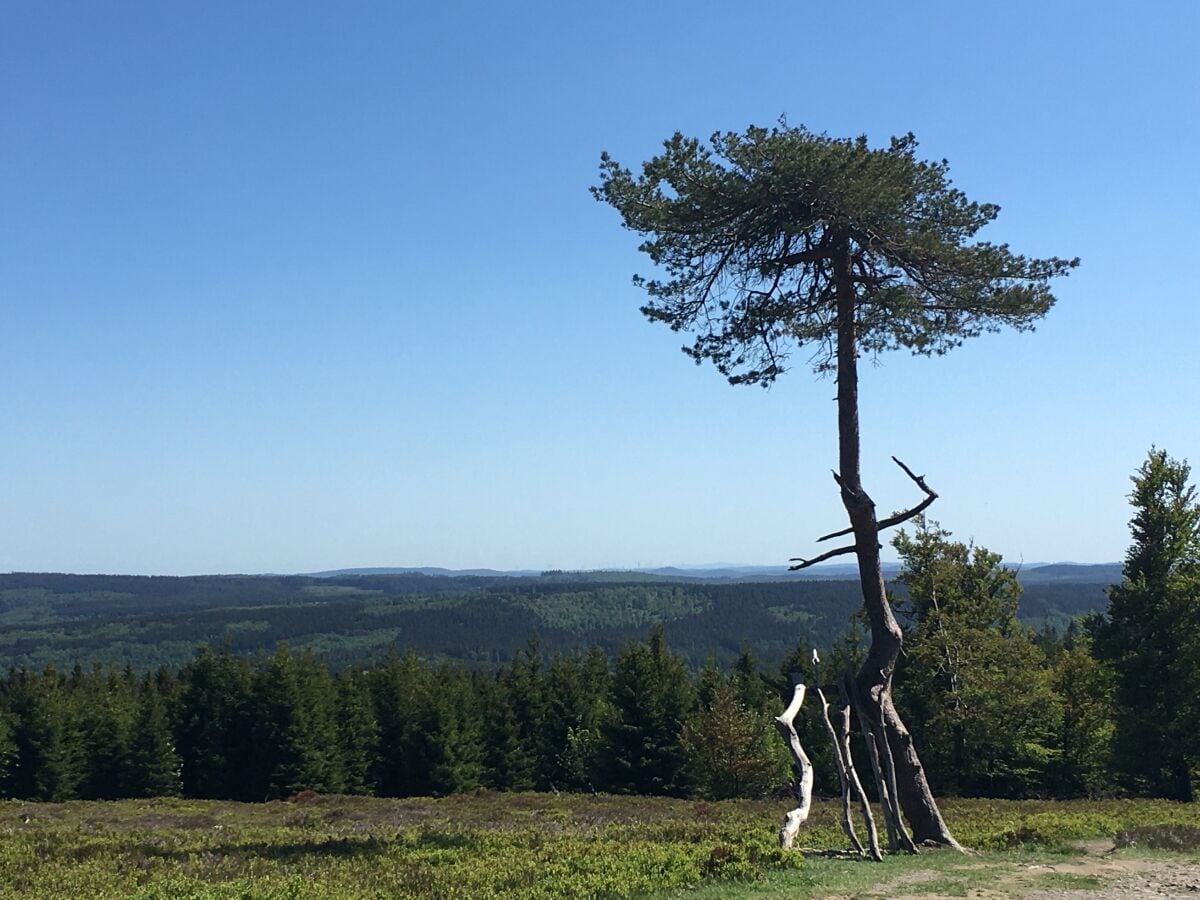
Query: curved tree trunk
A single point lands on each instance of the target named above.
(802, 770)
(873, 684)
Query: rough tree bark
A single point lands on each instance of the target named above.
(802, 770)
(873, 685)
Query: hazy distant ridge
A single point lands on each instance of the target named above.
(1085, 573)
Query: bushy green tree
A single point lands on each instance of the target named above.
(974, 680)
(458, 731)
(8, 755)
(104, 712)
(575, 695)
(358, 733)
(1151, 635)
(295, 732)
(400, 692)
(216, 727)
(153, 762)
(430, 729)
(732, 748)
(651, 697)
(1085, 687)
(49, 753)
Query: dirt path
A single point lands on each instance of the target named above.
(1124, 876)
(1098, 875)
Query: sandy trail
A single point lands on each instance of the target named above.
(1120, 876)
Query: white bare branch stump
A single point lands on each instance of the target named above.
(802, 770)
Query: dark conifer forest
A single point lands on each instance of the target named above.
(404, 685)
(145, 622)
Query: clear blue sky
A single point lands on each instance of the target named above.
(287, 287)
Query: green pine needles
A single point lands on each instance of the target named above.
(747, 229)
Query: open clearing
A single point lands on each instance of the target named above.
(542, 845)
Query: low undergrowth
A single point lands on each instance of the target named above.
(484, 845)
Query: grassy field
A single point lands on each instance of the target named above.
(522, 845)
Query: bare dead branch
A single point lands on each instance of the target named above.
(802, 563)
(930, 496)
(904, 516)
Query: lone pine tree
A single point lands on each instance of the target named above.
(780, 238)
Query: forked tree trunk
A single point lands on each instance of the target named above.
(802, 770)
(848, 778)
(873, 684)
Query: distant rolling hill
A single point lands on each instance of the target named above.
(480, 617)
(1080, 573)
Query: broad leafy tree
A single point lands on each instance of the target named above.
(776, 239)
(1085, 688)
(972, 677)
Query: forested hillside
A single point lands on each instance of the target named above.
(481, 620)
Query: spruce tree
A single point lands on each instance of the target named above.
(732, 749)
(508, 760)
(651, 698)
(8, 755)
(153, 763)
(215, 729)
(358, 734)
(412, 729)
(105, 712)
(48, 749)
(1151, 635)
(1085, 743)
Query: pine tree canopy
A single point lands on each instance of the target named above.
(751, 228)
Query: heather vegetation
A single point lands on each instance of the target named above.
(485, 844)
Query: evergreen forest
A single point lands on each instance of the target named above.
(1103, 707)
(351, 620)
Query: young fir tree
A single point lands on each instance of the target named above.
(732, 749)
(8, 755)
(779, 238)
(526, 689)
(581, 761)
(358, 734)
(651, 698)
(573, 703)
(459, 761)
(48, 763)
(418, 729)
(295, 730)
(153, 765)
(508, 760)
(1151, 635)
(105, 713)
(215, 729)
